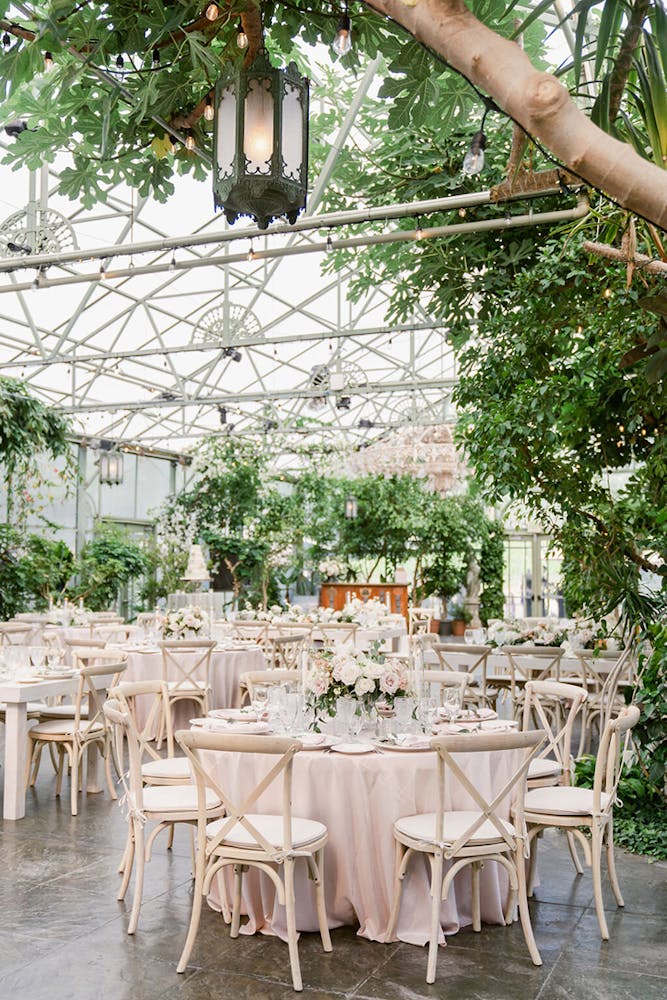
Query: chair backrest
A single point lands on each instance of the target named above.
(419, 620)
(158, 714)
(89, 643)
(447, 679)
(119, 722)
(94, 682)
(614, 744)
(605, 671)
(538, 707)
(15, 633)
(455, 656)
(533, 663)
(292, 629)
(114, 632)
(252, 632)
(448, 749)
(193, 742)
(337, 633)
(255, 677)
(285, 651)
(186, 661)
(88, 655)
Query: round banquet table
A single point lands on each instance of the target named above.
(358, 798)
(227, 665)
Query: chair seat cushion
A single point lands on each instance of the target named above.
(422, 827)
(176, 798)
(304, 831)
(561, 801)
(544, 768)
(169, 767)
(63, 727)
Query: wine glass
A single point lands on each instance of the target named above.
(291, 708)
(451, 702)
(55, 657)
(427, 713)
(38, 655)
(260, 699)
(469, 636)
(345, 709)
(403, 709)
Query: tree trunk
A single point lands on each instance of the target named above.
(534, 99)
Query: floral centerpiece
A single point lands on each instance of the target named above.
(515, 632)
(587, 633)
(68, 614)
(185, 623)
(368, 614)
(343, 673)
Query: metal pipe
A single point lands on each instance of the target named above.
(376, 239)
(370, 389)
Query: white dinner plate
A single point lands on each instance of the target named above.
(315, 741)
(352, 748)
(403, 747)
(499, 725)
(233, 714)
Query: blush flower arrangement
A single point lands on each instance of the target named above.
(185, 623)
(344, 673)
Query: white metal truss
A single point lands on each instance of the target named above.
(159, 360)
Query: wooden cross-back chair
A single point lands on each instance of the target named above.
(272, 843)
(186, 666)
(419, 621)
(529, 663)
(337, 634)
(16, 633)
(251, 678)
(155, 769)
(553, 763)
(443, 679)
(284, 651)
(471, 837)
(257, 632)
(605, 673)
(570, 809)
(164, 805)
(74, 737)
(472, 660)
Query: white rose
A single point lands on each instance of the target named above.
(390, 683)
(364, 685)
(349, 673)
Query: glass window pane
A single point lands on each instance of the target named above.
(292, 133)
(258, 135)
(226, 134)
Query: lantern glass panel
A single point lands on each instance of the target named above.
(226, 131)
(258, 137)
(292, 138)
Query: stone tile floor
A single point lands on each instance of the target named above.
(62, 932)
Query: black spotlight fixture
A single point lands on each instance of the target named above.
(343, 402)
(233, 353)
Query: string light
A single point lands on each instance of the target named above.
(103, 273)
(419, 232)
(209, 112)
(190, 141)
(172, 263)
(251, 253)
(212, 12)
(342, 43)
(6, 40)
(48, 61)
(473, 162)
(120, 62)
(330, 246)
(156, 58)
(607, 293)
(241, 37)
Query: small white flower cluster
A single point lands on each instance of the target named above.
(573, 634)
(368, 614)
(331, 567)
(290, 613)
(185, 622)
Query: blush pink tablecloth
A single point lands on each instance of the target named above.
(227, 665)
(359, 798)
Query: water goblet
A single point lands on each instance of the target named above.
(403, 710)
(260, 699)
(345, 710)
(451, 702)
(427, 713)
(469, 636)
(38, 656)
(55, 657)
(291, 710)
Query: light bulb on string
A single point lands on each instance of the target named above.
(342, 43)
(172, 264)
(251, 253)
(6, 40)
(190, 141)
(330, 246)
(473, 162)
(241, 37)
(419, 232)
(209, 111)
(120, 62)
(48, 61)
(212, 12)
(103, 273)
(156, 58)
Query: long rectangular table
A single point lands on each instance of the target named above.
(16, 696)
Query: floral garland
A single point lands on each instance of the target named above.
(342, 673)
(578, 633)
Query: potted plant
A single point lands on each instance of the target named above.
(460, 618)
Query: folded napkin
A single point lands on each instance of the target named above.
(413, 740)
(313, 740)
(233, 714)
(232, 728)
(499, 725)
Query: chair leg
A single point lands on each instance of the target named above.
(596, 864)
(572, 847)
(107, 771)
(74, 780)
(36, 761)
(236, 903)
(436, 896)
(127, 861)
(140, 854)
(170, 837)
(317, 863)
(476, 901)
(532, 864)
(60, 770)
(197, 899)
(524, 912)
(398, 888)
(611, 864)
(224, 897)
(292, 940)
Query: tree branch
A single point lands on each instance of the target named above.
(536, 100)
(623, 65)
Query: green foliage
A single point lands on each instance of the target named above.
(13, 592)
(105, 563)
(640, 818)
(548, 413)
(47, 567)
(27, 426)
(650, 734)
